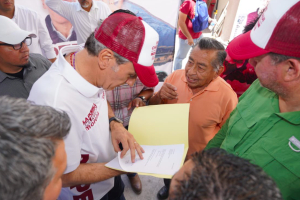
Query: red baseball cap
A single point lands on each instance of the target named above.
(132, 38)
(277, 31)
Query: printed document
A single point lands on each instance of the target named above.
(164, 159)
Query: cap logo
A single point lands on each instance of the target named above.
(261, 19)
(153, 51)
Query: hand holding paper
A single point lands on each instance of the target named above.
(162, 131)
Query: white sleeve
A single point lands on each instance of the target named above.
(73, 143)
(45, 40)
(62, 8)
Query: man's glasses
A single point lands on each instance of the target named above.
(27, 41)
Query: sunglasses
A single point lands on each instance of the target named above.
(27, 41)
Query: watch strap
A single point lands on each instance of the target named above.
(115, 119)
(142, 97)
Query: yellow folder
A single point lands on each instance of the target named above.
(161, 125)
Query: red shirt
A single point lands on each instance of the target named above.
(188, 8)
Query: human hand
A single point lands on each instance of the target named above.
(168, 91)
(137, 102)
(120, 134)
(190, 41)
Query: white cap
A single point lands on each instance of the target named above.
(11, 33)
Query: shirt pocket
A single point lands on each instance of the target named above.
(284, 167)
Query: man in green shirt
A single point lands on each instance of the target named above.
(265, 126)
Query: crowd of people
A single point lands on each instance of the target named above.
(63, 118)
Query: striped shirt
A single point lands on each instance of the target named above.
(121, 96)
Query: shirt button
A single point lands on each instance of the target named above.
(191, 100)
(237, 153)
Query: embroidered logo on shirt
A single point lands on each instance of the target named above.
(92, 118)
(295, 142)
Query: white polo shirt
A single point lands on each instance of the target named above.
(84, 22)
(30, 20)
(89, 139)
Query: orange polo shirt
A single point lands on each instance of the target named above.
(209, 108)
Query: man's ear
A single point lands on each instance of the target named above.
(105, 56)
(220, 71)
(291, 70)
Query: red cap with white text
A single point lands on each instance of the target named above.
(277, 31)
(132, 38)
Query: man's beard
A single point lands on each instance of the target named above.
(85, 4)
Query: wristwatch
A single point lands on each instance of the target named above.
(143, 98)
(115, 119)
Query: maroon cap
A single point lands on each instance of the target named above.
(132, 38)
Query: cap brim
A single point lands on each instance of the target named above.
(17, 37)
(242, 47)
(147, 75)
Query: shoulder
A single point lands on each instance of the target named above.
(51, 89)
(226, 89)
(38, 59)
(101, 5)
(24, 10)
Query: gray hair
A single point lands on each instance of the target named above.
(94, 47)
(27, 146)
(212, 44)
(278, 58)
(26, 166)
(21, 117)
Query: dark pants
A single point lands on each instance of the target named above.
(167, 183)
(116, 193)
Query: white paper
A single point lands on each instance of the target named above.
(164, 159)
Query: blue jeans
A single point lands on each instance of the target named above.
(182, 51)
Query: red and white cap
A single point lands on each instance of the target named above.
(277, 31)
(11, 33)
(132, 38)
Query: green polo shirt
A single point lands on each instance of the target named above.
(257, 131)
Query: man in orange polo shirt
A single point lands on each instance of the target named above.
(211, 98)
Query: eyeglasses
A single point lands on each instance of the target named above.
(27, 41)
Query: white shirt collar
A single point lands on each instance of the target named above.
(16, 12)
(72, 76)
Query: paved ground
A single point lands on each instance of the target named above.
(151, 185)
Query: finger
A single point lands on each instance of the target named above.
(170, 86)
(125, 148)
(129, 105)
(132, 150)
(169, 94)
(139, 150)
(116, 145)
(142, 104)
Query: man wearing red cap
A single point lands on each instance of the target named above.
(265, 126)
(121, 49)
